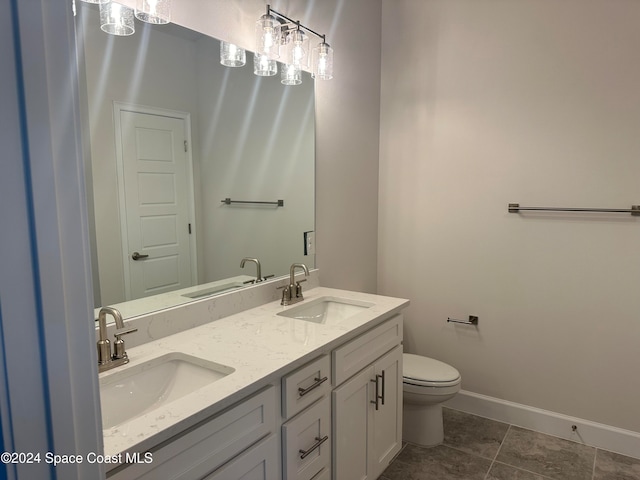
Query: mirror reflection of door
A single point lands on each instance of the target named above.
(156, 200)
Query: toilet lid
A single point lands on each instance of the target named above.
(419, 370)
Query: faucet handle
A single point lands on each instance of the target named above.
(299, 288)
(119, 352)
(124, 331)
(286, 294)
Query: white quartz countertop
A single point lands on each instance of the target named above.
(259, 344)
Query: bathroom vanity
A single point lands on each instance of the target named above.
(309, 391)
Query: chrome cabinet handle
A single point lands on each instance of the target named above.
(319, 441)
(377, 396)
(138, 256)
(319, 381)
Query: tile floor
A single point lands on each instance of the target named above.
(476, 448)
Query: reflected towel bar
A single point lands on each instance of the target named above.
(516, 208)
(473, 320)
(228, 201)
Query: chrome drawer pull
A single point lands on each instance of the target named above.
(320, 441)
(319, 381)
(376, 396)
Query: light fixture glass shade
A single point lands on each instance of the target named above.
(116, 19)
(297, 48)
(268, 30)
(231, 55)
(154, 11)
(322, 62)
(291, 75)
(263, 66)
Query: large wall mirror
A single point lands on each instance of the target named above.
(170, 133)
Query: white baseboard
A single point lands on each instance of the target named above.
(589, 433)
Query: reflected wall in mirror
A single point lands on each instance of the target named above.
(170, 133)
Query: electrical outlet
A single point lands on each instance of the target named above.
(309, 243)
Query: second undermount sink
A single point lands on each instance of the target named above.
(142, 388)
(326, 310)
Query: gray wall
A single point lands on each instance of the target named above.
(537, 102)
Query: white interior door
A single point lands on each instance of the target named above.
(157, 198)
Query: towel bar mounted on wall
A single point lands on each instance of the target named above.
(516, 208)
(473, 320)
(228, 201)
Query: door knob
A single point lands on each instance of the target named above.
(138, 256)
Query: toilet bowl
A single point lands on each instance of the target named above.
(426, 383)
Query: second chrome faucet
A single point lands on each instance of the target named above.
(292, 293)
(259, 277)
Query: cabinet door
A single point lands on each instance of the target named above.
(387, 420)
(260, 462)
(352, 434)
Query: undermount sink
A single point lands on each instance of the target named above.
(139, 389)
(326, 310)
(213, 290)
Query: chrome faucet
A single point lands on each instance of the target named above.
(259, 277)
(106, 360)
(293, 292)
(259, 270)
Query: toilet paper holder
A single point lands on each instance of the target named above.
(473, 320)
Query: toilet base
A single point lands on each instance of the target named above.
(422, 424)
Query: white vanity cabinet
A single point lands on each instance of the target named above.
(367, 408)
(202, 449)
(337, 417)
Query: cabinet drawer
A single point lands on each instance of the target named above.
(257, 463)
(208, 445)
(306, 385)
(352, 357)
(306, 442)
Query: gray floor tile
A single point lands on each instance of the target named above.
(613, 466)
(473, 434)
(552, 457)
(436, 463)
(500, 471)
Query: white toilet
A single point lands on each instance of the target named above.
(426, 384)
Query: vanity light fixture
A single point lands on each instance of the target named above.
(154, 11)
(231, 55)
(275, 30)
(297, 48)
(116, 19)
(291, 75)
(322, 61)
(263, 66)
(268, 32)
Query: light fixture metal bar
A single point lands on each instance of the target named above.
(296, 22)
